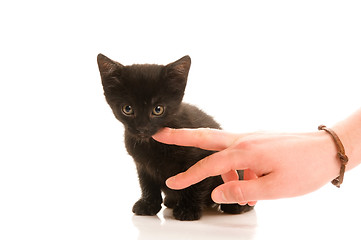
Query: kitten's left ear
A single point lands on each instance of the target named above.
(179, 68)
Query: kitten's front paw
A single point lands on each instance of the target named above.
(187, 213)
(146, 208)
(235, 208)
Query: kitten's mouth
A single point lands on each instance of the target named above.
(144, 136)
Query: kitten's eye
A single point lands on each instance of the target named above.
(158, 110)
(127, 110)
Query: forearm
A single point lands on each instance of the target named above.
(349, 131)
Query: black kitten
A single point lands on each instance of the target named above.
(146, 98)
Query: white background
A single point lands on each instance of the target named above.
(256, 65)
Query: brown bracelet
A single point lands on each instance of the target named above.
(341, 155)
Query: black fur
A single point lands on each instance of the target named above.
(136, 94)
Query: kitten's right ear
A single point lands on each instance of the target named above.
(107, 66)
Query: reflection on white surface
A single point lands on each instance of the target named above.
(212, 225)
(329, 213)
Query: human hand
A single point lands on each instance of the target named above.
(287, 165)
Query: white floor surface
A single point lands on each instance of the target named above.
(278, 65)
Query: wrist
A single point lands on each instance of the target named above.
(349, 132)
(341, 155)
(330, 160)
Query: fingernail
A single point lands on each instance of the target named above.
(218, 196)
(170, 182)
(162, 132)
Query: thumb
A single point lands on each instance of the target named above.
(241, 191)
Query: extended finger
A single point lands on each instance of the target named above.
(205, 138)
(218, 163)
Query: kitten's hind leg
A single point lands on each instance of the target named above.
(235, 208)
(187, 212)
(169, 201)
(190, 203)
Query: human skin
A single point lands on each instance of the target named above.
(277, 165)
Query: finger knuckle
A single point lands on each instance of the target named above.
(246, 144)
(203, 167)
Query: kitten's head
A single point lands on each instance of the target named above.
(144, 97)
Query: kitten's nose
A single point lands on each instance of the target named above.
(142, 130)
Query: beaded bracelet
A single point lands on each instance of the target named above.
(340, 154)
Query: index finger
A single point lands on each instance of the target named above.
(205, 138)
